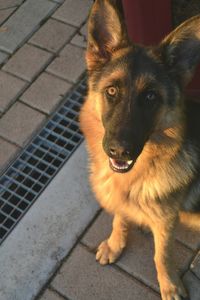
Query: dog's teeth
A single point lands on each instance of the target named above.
(121, 166)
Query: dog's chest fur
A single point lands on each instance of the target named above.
(149, 193)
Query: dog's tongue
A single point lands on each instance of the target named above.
(119, 163)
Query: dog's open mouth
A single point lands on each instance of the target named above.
(121, 166)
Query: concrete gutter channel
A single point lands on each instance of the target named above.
(46, 234)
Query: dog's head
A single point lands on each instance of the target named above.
(136, 86)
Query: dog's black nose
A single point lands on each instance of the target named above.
(119, 151)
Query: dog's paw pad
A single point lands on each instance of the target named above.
(105, 255)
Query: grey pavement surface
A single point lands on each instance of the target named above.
(50, 255)
(46, 234)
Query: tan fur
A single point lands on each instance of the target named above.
(147, 194)
(191, 220)
(120, 52)
(118, 74)
(132, 196)
(143, 81)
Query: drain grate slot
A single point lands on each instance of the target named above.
(31, 172)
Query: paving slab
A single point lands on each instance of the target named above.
(73, 12)
(27, 62)
(192, 284)
(137, 258)
(53, 35)
(5, 13)
(10, 88)
(20, 123)
(9, 3)
(70, 64)
(8, 151)
(46, 92)
(48, 231)
(24, 22)
(82, 278)
(49, 295)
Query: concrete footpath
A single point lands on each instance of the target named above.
(50, 255)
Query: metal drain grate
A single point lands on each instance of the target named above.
(27, 177)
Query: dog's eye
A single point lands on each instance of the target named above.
(150, 96)
(111, 91)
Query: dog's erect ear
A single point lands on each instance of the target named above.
(106, 31)
(180, 50)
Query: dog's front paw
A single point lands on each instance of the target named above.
(106, 255)
(172, 291)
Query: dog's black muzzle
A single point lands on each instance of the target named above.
(122, 155)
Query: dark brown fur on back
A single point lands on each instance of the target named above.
(135, 112)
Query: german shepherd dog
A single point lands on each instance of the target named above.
(143, 138)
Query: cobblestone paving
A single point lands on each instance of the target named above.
(41, 56)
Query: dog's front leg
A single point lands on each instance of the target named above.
(110, 249)
(171, 286)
